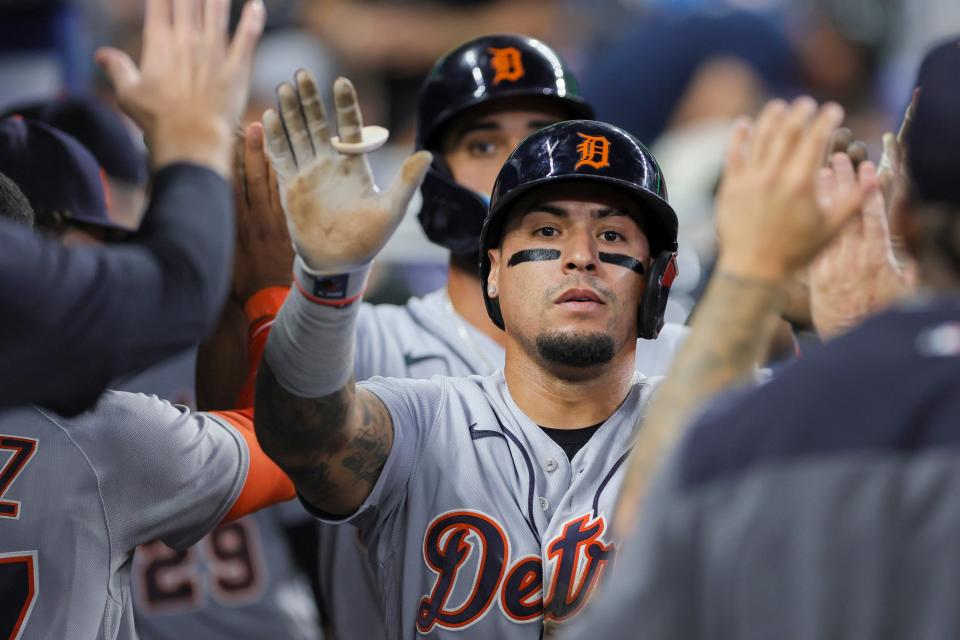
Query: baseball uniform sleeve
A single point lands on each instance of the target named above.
(266, 484)
(415, 407)
(164, 473)
(75, 318)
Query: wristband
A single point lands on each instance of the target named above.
(330, 289)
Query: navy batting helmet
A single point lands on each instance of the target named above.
(485, 69)
(585, 151)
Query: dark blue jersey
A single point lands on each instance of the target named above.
(75, 318)
(821, 505)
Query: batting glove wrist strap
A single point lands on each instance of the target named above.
(330, 289)
(311, 345)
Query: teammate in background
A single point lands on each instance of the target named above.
(484, 501)
(835, 518)
(470, 132)
(36, 156)
(100, 129)
(158, 295)
(241, 580)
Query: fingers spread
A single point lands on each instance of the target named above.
(849, 195)
(812, 147)
(294, 123)
(248, 32)
(156, 28)
(411, 176)
(875, 223)
(121, 70)
(792, 125)
(737, 147)
(839, 142)
(843, 169)
(908, 117)
(256, 167)
(349, 120)
(215, 18)
(313, 111)
(281, 155)
(826, 187)
(186, 21)
(858, 153)
(768, 125)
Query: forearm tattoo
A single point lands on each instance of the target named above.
(333, 448)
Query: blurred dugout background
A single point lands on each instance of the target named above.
(673, 72)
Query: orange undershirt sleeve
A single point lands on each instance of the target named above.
(266, 484)
(261, 310)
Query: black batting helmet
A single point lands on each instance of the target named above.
(485, 69)
(586, 151)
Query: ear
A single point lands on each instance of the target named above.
(494, 277)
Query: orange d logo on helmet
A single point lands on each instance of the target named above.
(507, 64)
(594, 151)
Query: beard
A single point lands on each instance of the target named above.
(580, 350)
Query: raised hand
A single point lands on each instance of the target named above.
(337, 217)
(769, 218)
(192, 84)
(264, 254)
(857, 274)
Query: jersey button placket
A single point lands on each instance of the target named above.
(544, 503)
(551, 465)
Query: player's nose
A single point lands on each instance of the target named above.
(580, 252)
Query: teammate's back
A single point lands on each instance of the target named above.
(77, 495)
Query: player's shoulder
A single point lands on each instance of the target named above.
(873, 389)
(121, 410)
(124, 423)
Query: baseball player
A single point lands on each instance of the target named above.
(481, 506)
(448, 332)
(834, 518)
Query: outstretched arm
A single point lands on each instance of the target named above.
(772, 220)
(330, 437)
(76, 318)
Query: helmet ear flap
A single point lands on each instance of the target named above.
(451, 216)
(653, 302)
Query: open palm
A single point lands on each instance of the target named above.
(337, 217)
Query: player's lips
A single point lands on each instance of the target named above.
(579, 300)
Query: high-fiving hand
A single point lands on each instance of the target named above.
(337, 217)
(771, 221)
(857, 274)
(192, 84)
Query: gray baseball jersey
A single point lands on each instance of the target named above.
(239, 581)
(78, 495)
(423, 338)
(479, 523)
